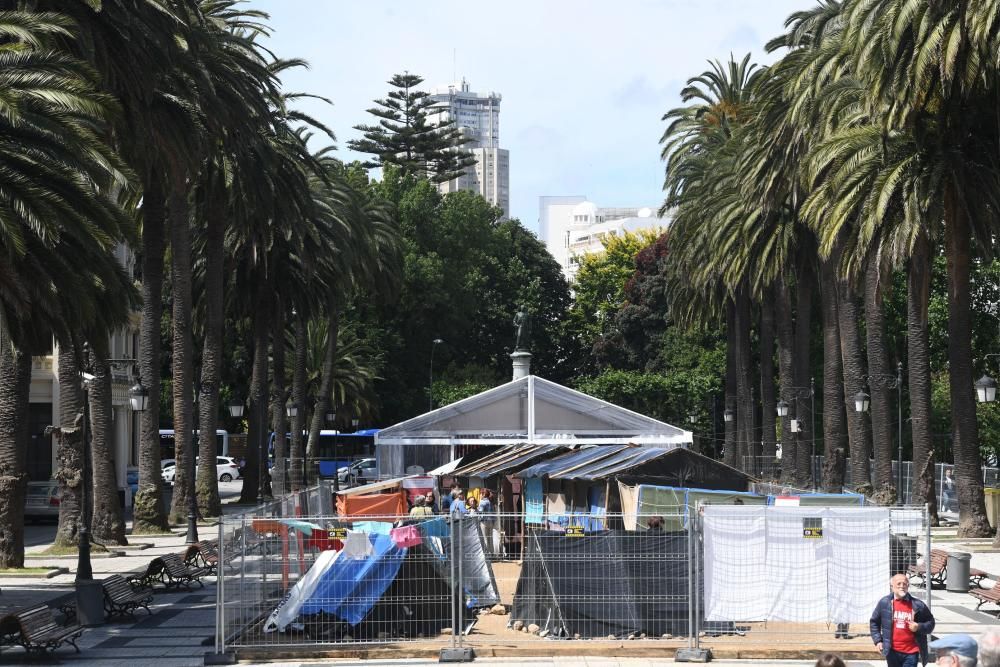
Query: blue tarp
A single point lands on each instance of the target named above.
(350, 588)
(534, 501)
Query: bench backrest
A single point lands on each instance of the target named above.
(116, 587)
(36, 621)
(174, 564)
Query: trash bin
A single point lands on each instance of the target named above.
(992, 506)
(958, 571)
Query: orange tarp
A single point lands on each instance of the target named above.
(378, 504)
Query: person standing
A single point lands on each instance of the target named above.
(948, 491)
(900, 624)
(955, 651)
(989, 649)
(420, 508)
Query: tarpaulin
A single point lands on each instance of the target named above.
(379, 504)
(534, 501)
(611, 583)
(350, 588)
(630, 504)
(288, 609)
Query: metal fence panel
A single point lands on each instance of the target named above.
(292, 579)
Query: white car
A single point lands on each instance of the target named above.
(226, 469)
(358, 473)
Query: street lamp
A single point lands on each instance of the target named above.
(88, 591)
(430, 385)
(986, 389)
(192, 516)
(236, 408)
(861, 404)
(354, 424)
(331, 417)
(292, 409)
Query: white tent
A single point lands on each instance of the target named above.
(528, 410)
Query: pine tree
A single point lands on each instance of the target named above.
(406, 137)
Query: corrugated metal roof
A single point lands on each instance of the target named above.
(562, 465)
(612, 465)
(506, 459)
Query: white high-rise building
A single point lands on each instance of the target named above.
(478, 117)
(573, 226)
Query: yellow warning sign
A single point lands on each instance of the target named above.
(812, 532)
(574, 531)
(337, 533)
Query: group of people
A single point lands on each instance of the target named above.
(455, 503)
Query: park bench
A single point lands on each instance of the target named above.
(120, 599)
(985, 595)
(976, 576)
(176, 574)
(939, 568)
(206, 555)
(35, 629)
(148, 578)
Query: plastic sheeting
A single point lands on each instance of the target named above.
(350, 588)
(380, 504)
(610, 583)
(761, 564)
(534, 501)
(288, 609)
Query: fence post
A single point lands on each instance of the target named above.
(927, 554)
(691, 576)
(456, 652)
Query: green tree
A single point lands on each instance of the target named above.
(407, 136)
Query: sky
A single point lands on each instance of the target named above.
(584, 83)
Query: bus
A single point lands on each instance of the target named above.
(167, 443)
(336, 449)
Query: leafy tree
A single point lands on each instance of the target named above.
(599, 285)
(407, 137)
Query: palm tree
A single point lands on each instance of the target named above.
(930, 70)
(59, 226)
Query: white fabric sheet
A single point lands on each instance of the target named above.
(357, 545)
(761, 566)
(735, 553)
(858, 573)
(907, 522)
(796, 566)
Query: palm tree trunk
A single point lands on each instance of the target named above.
(183, 363)
(786, 374)
(278, 406)
(299, 396)
(207, 484)
(15, 385)
(805, 284)
(853, 357)
(972, 520)
(917, 300)
(107, 520)
(879, 374)
(326, 385)
(69, 449)
(731, 454)
(744, 382)
(767, 389)
(834, 416)
(257, 420)
(148, 512)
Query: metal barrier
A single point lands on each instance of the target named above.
(289, 580)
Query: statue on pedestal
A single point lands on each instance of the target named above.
(522, 323)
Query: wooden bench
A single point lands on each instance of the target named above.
(120, 599)
(176, 574)
(939, 568)
(206, 555)
(985, 595)
(976, 576)
(35, 629)
(147, 579)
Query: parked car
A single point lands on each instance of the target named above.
(42, 500)
(361, 471)
(226, 469)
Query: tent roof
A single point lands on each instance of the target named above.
(533, 411)
(595, 463)
(507, 460)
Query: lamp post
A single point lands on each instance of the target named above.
(782, 409)
(354, 424)
(430, 385)
(88, 591)
(192, 515)
(693, 419)
(862, 403)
